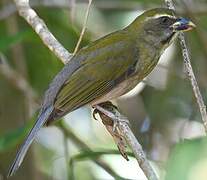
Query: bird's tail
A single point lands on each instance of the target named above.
(42, 118)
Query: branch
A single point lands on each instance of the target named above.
(41, 29)
(126, 132)
(189, 71)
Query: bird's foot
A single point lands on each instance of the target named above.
(110, 121)
(111, 118)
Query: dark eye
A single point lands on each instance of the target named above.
(165, 20)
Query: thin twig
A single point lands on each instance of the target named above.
(84, 27)
(131, 140)
(189, 71)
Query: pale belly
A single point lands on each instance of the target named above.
(119, 90)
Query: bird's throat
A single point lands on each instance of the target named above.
(168, 39)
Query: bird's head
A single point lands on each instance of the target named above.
(159, 26)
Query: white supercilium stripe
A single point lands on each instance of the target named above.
(160, 15)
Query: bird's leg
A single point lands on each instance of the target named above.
(108, 106)
(95, 111)
(113, 109)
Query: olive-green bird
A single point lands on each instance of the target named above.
(107, 68)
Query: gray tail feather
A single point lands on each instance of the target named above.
(43, 117)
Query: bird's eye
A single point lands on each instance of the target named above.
(165, 20)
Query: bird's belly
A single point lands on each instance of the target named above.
(121, 89)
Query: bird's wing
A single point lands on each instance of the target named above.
(104, 66)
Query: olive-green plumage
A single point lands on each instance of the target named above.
(107, 68)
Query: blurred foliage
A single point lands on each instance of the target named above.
(11, 139)
(88, 155)
(172, 111)
(186, 157)
(8, 41)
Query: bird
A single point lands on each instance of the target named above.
(107, 68)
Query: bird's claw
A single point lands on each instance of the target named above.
(95, 111)
(110, 121)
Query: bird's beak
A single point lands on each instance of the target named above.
(183, 24)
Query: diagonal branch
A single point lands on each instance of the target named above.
(189, 69)
(41, 29)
